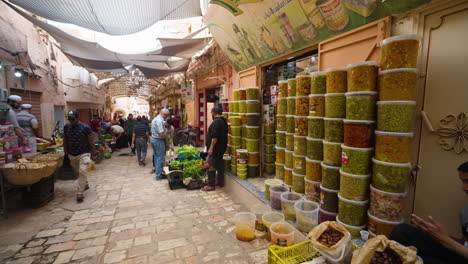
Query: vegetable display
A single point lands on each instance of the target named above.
(392, 147)
(335, 105)
(398, 84)
(318, 82)
(360, 105)
(358, 134)
(399, 52)
(317, 105)
(356, 160)
(188, 152)
(315, 127)
(337, 80)
(395, 116)
(362, 76)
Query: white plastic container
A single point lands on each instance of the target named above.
(288, 199)
(245, 226)
(354, 231)
(306, 215)
(282, 234)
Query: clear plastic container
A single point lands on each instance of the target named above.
(280, 155)
(269, 168)
(268, 184)
(385, 205)
(283, 89)
(281, 139)
(253, 145)
(299, 164)
(318, 82)
(268, 158)
(300, 125)
(330, 177)
(279, 171)
(269, 139)
(236, 140)
(242, 154)
(290, 141)
(302, 105)
(398, 84)
(393, 147)
(281, 122)
(290, 126)
(314, 148)
(317, 105)
(259, 211)
(399, 52)
(236, 95)
(315, 127)
(252, 93)
(291, 105)
(298, 183)
(300, 145)
(332, 153)
(313, 170)
(292, 87)
(352, 212)
(287, 204)
(236, 131)
(306, 215)
(253, 132)
(395, 116)
(356, 160)
(329, 199)
(243, 106)
(302, 85)
(269, 128)
(360, 105)
(253, 106)
(288, 174)
(312, 190)
(235, 106)
(252, 119)
(390, 177)
(337, 80)
(275, 195)
(326, 216)
(377, 226)
(335, 105)
(354, 231)
(270, 218)
(282, 106)
(242, 175)
(354, 187)
(282, 234)
(242, 94)
(362, 76)
(334, 130)
(358, 133)
(245, 226)
(235, 120)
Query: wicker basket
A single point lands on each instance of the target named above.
(26, 173)
(50, 157)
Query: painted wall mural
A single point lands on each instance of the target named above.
(254, 31)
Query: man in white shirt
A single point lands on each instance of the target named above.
(158, 142)
(14, 102)
(117, 133)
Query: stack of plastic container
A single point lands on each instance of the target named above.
(251, 130)
(357, 149)
(242, 157)
(395, 115)
(281, 111)
(234, 140)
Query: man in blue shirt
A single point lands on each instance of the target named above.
(158, 142)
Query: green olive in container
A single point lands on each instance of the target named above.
(243, 117)
(330, 177)
(269, 129)
(354, 187)
(242, 154)
(313, 170)
(252, 119)
(352, 212)
(290, 125)
(299, 164)
(354, 231)
(302, 85)
(315, 127)
(269, 168)
(318, 82)
(281, 139)
(314, 148)
(281, 122)
(392, 146)
(291, 105)
(301, 125)
(332, 153)
(395, 116)
(282, 106)
(243, 106)
(317, 105)
(269, 148)
(236, 140)
(329, 199)
(337, 80)
(252, 93)
(253, 106)
(279, 171)
(244, 131)
(235, 120)
(385, 205)
(269, 139)
(398, 84)
(268, 184)
(244, 143)
(288, 159)
(399, 52)
(292, 87)
(254, 158)
(362, 76)
(288, 199)
(390, 177)
(270, 158)
(236, 95)
(236, 131)
(356, 160)
(335, 105)
(283, 89)
(235, 107)
(377, 226)
(253, 145)
(334, 129)
(288, 176)
(253, 132)
(360, 105)
(312, 190)
(290, 141)
(302, 105)
(300, 145)
(298, 183)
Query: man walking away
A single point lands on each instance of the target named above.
(140, 141)
(14, 102)
(158, 138)
(129, 125)
(29, 124)
(216, 145)
(78, 144)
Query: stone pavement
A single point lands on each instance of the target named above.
(128, 217)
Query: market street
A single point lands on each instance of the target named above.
(128, 217)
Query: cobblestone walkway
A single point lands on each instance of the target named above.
(135, 219)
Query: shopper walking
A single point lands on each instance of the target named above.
(140, 138)
(158, 138)
(30, 126)
(129, 125)
(216, 145)
(78, 144)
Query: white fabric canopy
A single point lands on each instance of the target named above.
(113, 17)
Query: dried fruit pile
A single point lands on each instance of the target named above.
(330, 237)
(388, 256)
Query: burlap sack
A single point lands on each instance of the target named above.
(315, 234)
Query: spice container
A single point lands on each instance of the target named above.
(301, 125)
(280, 155)
(329, 199)
(280, 139)
(306, 215)
(315, 127)
(253, 106)
(326, 216)
(313, 170)
(392, 147)
(302, 85)
(330, 177)
(291, 109)
(335, 105)
(314, 148)
(282, 106)
(270, 218)
(236, 131)
(245, 226)
(317, 105)
(253, 132)
(362, 76)
(312, 190)
(282, 234)
(356, 160)
(288, 176)
(358, 133)
(318, 82)
(302, 105)
(337, 80)
(243, 106)
(352, 212)
(269, 139)
(254, 158)
(398, 84)
(268, 184)
(236, 95)
(252, 93)
(291, 87)
(290, 125)
(283, 89)
(399, 52)
(298, 183)
(281, 122)
(279, 170)
(331, 153)
(300, 145)
(288, 199)
(275, 195)
(354, 187)
(395, 116)
(360, 105)
(299, 164)
(253, 171)
(253, 145)
(385, 205)
(235, 120)
(290, 141)
(270, 168)
(379, 226)
(270, 158)
(333, 128)
(390, 177)
(354, 231)
(334, 14)
(269, 148)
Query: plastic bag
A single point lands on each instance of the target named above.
(315, 234)
(365, 254)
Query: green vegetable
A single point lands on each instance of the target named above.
(176, 165)
(335, 105)
(193, 169)
(330, 177)
(395, 116)
(354, 187)
(356, 160)
(315, 127)
(360, 105)
(189, 152)
(352, 212)
(390, 177)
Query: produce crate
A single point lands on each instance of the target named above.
(176, 180)
(291, 255)
(40, 193)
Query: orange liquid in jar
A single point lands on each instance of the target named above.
(245, 233)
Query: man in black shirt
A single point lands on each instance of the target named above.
(216, 144)
(140, 140)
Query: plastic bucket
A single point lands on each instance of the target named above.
(354, 187)
(330, 177)
(291, 87)
(280, 155)
(291, 105)
(393, 147)
(333, 128)
(288, 159)
(377, 226)
(243, 106)
(337, 80)
(306, 215)
(275, 195)
(281, 139)
(254, 158)
(300, 145)
(335, 105)
(315, 127)
(288, 199)
(326, 216)
(395, 116)
(252, 119)
(318, 82)
(290, 141)
(393, 47)
(362, 76)
(252, 93)
(282, 106)
(352, 212)
(299, 164)
(279, 170)
(312, 190)
(390, 177)
(236, 131)
(329, 199)
(302, 85)
(385, 205)
(314, 148)
(313, 170)
(281, 122)
(398, 84)
(302, 105)
(270, 158)
(245, 226)
(253, 132)
(331, 153)
(253, 170)
(300, 125)
(354, 231)
(269, 148)
(269, 168)
(356, 160)
(282, 234)
(259, 211)
(269, 218)
(283, 88)
(269, 138)
(298, 183)
(268, 184)
(360, 105)
(253, 145)
(358, 133)
(317, 105)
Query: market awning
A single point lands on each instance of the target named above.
(113, 17)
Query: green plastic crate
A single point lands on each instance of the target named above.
(291, 255)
